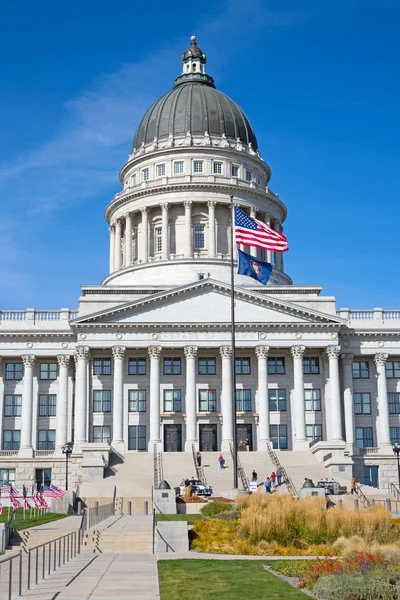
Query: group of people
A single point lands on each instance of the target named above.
(275, 479)
(244, 444)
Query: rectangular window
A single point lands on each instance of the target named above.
(276, 366)
(243, 400)
(258, 180)
(217, 167)
(178, 167)
(360, 369)
(46, 439)
(14, 371)
(311, 365)
(173, 401)
(42, 477)
(137, 437)
(394, 436)
(172, 366)
(197, 166)
(207, 400)
(277, 400)
(314, 433)
(198, 237)
(137, 400)
(242, 366)
(249, 175)
(392, 369)
(312, 399)
(160, 170)
(137, 366)
(11, 439)
(362, 404)
(394, 403)
(133, 179)
(234, 171)
(102, 366)
(101, 401)
(12, 406)
(364, 437)
(279, 437)
(47, 405)
(145, 174)
(7, 475)
(207, 366)
(48, 371)
(102, 434)
(157, 239)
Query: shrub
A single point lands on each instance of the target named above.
(215, 508)
(377, 583)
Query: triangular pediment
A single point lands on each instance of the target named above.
(206, 302)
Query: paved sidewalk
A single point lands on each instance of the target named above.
(205, 555)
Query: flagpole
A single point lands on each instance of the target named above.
(233, 367)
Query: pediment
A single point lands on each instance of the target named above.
(206, 302)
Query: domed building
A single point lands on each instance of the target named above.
(142, 373)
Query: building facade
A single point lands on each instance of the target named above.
(145, 362)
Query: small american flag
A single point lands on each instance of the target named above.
(36, 499)
(26, 504)
(6, 487)
(252, 232)
(53, 492)
(16, 504)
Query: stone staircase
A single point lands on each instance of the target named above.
(120, 535)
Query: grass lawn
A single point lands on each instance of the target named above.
(228, 579)
(20, 523)
(189, 518)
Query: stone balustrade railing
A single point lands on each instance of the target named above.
(365, 317)
(30, 317)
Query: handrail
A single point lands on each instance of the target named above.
(393, 488)
(241, 472)
(154, 530)
(199, 469)
(98, 513)
(285, 477)
(363, 497)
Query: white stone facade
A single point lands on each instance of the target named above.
(146, 360)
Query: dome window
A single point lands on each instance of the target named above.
(199, 237)
(198, 166)
(217, 167)
(178, 167)
(249, 175)
(235, 171)
(259, 180)
(157, 240)
(133, 179)
(145, 174)
(160, 170)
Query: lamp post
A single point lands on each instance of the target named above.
(396, 450)
(67, 450)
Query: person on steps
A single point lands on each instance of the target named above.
(273, 479)
(268, 486)
(221, 461)
(279, 475)
(254, 476)
(353, 486)
(198, 458)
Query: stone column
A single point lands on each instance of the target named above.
(383, 406)
(188, 229)
(112, 248)
(154, 353)
(128, 240)
(191, 412)
(253, 249)
(333, 353)
(263, 402)
(118, 398)
(145, 235)
(300, 440)
(26, 448)
(347, 360)
(226, 398)
(211, 230)
(164, 231)
(82, 357)
(117, 251)
(62, 400)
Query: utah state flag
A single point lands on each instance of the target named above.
(253, 267)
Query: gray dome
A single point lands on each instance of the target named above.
(194, 105)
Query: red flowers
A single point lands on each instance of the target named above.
(362, 562)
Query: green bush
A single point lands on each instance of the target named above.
(215, 508)
(377, 584)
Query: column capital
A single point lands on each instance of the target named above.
(118, 351)
(118, 222)
(164, 206)
(252, 212)
(128, 217)
(262, 351)
(187, 204)
(190, 351)
(143, 210)
(380, 359)
(333, 351)
(154, 351)
(63, 360)
(111, 229)
(211, 204)
(225, 351)
(82, 352)
(28, 360)
(347, 358)
(298, 351)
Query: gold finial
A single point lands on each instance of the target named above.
(193, 40)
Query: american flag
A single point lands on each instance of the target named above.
(252, 232)
(26, 504)
(53, 492)
(36, 499)
(16, 504)
(6, 487)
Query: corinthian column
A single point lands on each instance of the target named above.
(384, 430)
(211, 229)
(118, 398)
(82, 356)
(128, 240)
(188, 229)
(62, 400)
(226, 398)
(164, 231)
(300, 440)
(112, 248)
(154, 353)
(347, 360)
(26, 449)
(333, 353)
(191, 413)
(117, 251)
(145, 235)
(263, 408)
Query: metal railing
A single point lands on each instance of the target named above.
(241, 472)
(393, 488)
(158, 467)
(362, 496)
(200, 473)
(23, 570)
(285, 477)
(95, 515)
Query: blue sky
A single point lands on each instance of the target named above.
(318, 79)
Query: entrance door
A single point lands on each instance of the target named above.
(371, 476)
(208, 438)
(244, 432)
(172, 438)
